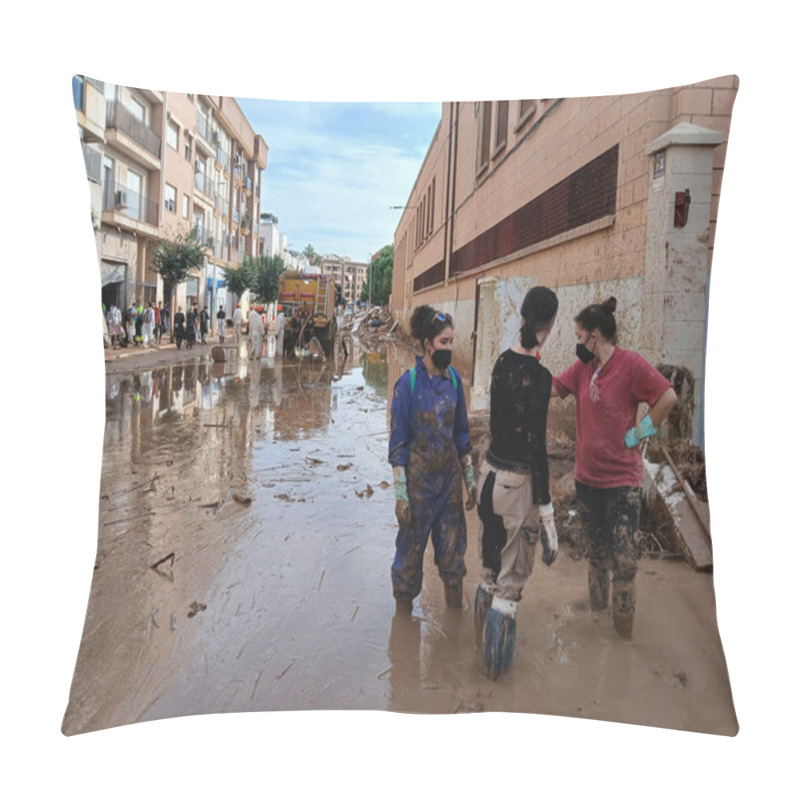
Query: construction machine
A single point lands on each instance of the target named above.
(308, 302)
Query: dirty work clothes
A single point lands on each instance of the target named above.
(428, 435)
(256, 331)
(610, 519)
(520, 396)
(508, 532)
(606, 404)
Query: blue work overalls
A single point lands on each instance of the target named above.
(428, 436)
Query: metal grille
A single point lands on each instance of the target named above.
(430, 277)
(587, 194)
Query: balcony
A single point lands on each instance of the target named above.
(129, 209)
(132, 136)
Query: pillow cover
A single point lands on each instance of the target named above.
(246, 513)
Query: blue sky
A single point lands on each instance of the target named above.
(335, 168)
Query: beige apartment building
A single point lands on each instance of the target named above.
(161, 164)
(597, 196)
(349, 275)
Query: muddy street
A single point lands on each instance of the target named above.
(245, 534)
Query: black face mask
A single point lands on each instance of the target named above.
(441, 358)
(583, 353)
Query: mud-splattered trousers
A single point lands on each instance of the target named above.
(610, 519)
(509, 530)
(428, 435)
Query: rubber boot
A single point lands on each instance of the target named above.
(404, 605)
(454, 594)
(598, 587)
(624, 602)
(483, 599)
(500, 636)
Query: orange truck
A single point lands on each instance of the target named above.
(309, 304)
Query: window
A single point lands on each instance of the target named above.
(501, 133)
(526, 109)
(485, 135)
(170, 197)
(172, 135)
(185, 210)
(137, 109)
(187, 147)
(198, 225)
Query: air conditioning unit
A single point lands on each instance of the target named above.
(214, 137)
(121, 199)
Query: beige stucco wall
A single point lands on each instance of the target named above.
(608, 257)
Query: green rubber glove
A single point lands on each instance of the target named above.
(402, 506)
(469, 479)
(644, 429)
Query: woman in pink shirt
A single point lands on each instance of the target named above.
(609, 384)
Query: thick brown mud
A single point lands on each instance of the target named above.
(246, 532)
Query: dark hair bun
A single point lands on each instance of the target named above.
(420, 319)
(610, 305)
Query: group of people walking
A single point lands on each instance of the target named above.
(430, 454)
(138, 325)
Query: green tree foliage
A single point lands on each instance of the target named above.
(263, 276)
(174, 259)
(238, 280)
(379, 273)
(312, 255)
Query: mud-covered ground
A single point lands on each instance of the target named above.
(246, 530)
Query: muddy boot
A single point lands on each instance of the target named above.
(483, 599)
(500, 636)
(598, 587)
(404, 605)
(454, 594)
(624, 602)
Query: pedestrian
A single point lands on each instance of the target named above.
(514, 483)
(130, 323)
(167, 319)
(191, 329)
(194, 314)
(255, 329)
(114, 321)
(609, 383)
(430, 451)
(205, 320)
(221, 325)
(158, 313)
(280, 325)
(138, 323)
(237, 323)
(180, 330)
(148, 325)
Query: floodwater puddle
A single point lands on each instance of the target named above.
(245, 538)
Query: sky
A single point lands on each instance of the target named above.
(334, 169)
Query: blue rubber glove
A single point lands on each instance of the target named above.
(644, 429)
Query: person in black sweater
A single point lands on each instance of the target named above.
(514, 483)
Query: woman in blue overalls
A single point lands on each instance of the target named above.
(429, 451)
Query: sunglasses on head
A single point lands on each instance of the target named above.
(443, 317)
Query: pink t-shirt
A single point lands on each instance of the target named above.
(607, 402)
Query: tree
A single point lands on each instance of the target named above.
(263, 275)
(173, 260)
(379, 277)
(312, 255)
(238, 280)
